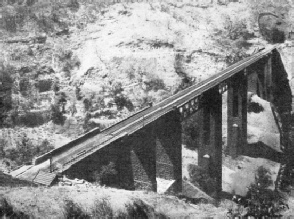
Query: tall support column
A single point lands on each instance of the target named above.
(268, 81)
(260, 69)
(211, 136)
(205, 132)
(237, 114)
(169, 149)
(252, 81)
(125, 167)
(143, 158)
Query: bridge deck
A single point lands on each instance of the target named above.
(85, 145)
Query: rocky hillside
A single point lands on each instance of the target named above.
(67, 67)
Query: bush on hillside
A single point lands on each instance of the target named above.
(78, 92)
(102, 209)
(39, 13)
(254, 107)
(73, 5)
(164, 8)
(44, 23)
(122, 101)
(10, 23)
(74, 210)
(186, 80)
(6, 85)
(155, 84)
(31, 119)
(273, 26)
(73, 108)
(263, 177)
(232, 36)
(88, 102)
(281, 8)
(24, 86)
(58, 108)
(44, 147)
(139, 209)
(136, 210)
(56, 114)
(68, 61)
(44, 85)
(262, 201)
(145, 85)
(88, 125)
(3, 145)
(8, 211)
(56, 85)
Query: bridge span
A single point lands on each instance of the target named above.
(147, 145)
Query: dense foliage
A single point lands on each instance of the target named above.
(260, 200)
(6, 84)
(25, 150)
(7, 210)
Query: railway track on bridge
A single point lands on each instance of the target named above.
(93, 141)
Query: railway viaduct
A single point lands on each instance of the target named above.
(147, 145)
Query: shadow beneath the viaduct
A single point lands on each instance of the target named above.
(261, 150)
